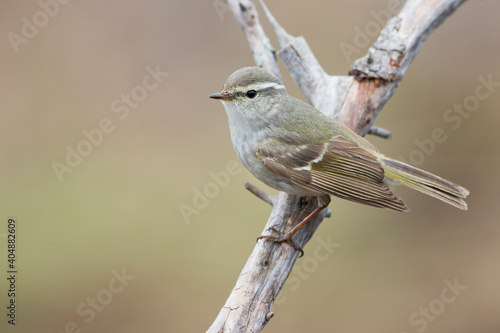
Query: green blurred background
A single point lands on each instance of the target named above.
(118, 210)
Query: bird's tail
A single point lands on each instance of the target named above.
(426, 182)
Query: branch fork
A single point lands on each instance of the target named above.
(354, 100)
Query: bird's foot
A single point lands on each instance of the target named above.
(282, 238)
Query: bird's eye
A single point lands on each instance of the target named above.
(251, 94)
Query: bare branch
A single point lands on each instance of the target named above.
(379, 131)
(353, 100)
(401, 39)
(283, 37)
(248, 307)
(262, 50)
(270, 199)
(356, 103)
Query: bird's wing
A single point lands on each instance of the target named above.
(338, 167)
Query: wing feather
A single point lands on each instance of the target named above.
(338, 167)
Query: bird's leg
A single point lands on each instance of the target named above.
(282, 237)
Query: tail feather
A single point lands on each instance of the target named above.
(426, 182)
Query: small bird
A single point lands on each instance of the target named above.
(292, 147)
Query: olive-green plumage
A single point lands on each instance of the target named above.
(291, 146)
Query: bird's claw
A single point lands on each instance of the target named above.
(282, 238)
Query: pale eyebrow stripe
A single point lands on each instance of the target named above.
(263, 86)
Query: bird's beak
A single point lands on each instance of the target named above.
(224, 95)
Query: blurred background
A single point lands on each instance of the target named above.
(110, 145)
